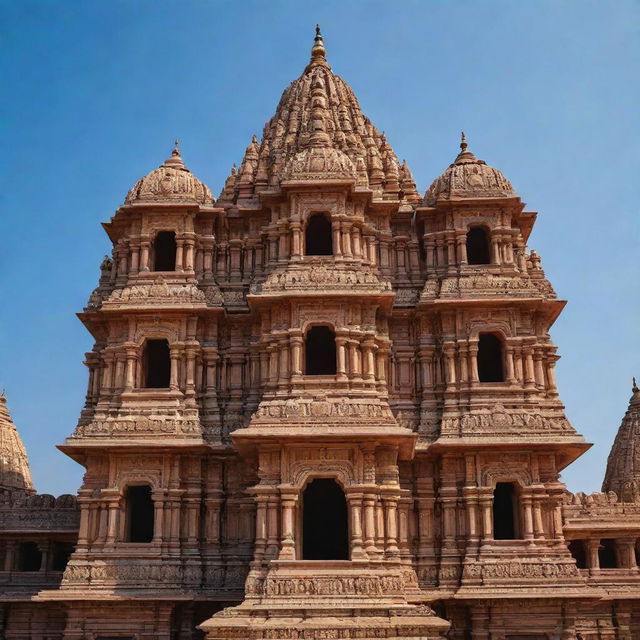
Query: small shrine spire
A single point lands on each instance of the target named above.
(465, 155)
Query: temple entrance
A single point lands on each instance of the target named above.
(504, 511)
(325, 534)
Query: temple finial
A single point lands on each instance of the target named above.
(635, 386)
(176, 148)
(463, 142)
(318, 51)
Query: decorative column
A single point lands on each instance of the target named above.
(179, 254)
(390, 503)
(272, 527)
(341, 364)
(511, 377)
(486, 504)
(296, 240)
(529, 379)
(346, 239)
(592, 545)
(368, 347)
(288, 500)
(335, 229)
(296, 341)
(461, 240)
(473, 361)
(354, 501)
(173, 377)
(158, 496)
(262, 500)
(369, 502)
(526, 499)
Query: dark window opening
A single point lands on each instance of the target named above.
(478, 250)
(318, 239)
(139, 514)
(157, 364)
(164, 251)
(320, 351)
(607, 554)
(29, 557)
(576, 549)
(490, 368)
(504, 511)
(325, 534)
(61, 553)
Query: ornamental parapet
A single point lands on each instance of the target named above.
(161, 292)
(40, 512)
(321, 278)
(487, 285)
(153, 574)
(151, 426)
(497, 419)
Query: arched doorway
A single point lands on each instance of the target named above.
(325, 533)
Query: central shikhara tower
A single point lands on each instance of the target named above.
(323, 406)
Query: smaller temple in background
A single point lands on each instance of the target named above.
(322, 407)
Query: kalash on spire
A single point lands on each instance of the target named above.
(323, 407)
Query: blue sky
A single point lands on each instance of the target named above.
(95, 92)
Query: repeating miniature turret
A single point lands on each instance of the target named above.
(623, 465)
(468, 177)
(15, 474)
(170, 182)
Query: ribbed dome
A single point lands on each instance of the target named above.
(623, 465)
(468, 177)
(15, 475)
(171, 182)
(320, 103)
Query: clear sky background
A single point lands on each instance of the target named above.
(94, 93)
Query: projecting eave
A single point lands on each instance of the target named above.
(247, 439)
(567, 449)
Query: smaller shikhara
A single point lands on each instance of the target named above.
(322, 406)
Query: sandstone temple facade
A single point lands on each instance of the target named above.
(322, 406)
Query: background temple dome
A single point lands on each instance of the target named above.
(170, 182)
(317, 102)
(15, 475)
(623, 465)
(468, 177)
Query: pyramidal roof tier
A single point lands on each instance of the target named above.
(468, 177)
(320, 132)
(171, 182)
(623, 465)
(15, 475)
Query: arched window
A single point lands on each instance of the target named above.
(325, 534)
(156, 364)
(490, 365)
(576, 549)
(139, 514)
(607, 554)
(505, 512)
(320, 351)
(318, 240)
(478, 246)
(29, 557)
(164, 251)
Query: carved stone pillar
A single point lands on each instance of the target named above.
(296, 240)
(296, 342)
(288, 499)
(354, 501)
(461, 239)
(486, 504)
(335, 229)
(539, 371)
(527, 511)
(368, 347)
(179, 254)
(173, 377)
(369, 503)
(158, 496)
(511, 377)
(529, 379)
(391, 524)
(346, 239)
(272, 527)
(341, 360)
(593, 560)
(189, 258)
(10, 555)
(113, 520)
(261, 525)
(473, 361)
